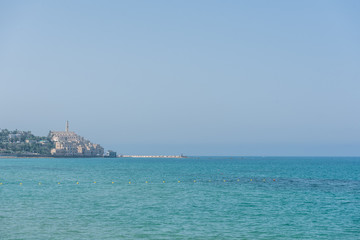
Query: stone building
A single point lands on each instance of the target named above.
(69, 144)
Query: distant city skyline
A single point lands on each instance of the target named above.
(199, 78)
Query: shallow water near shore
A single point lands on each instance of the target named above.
(192, 198)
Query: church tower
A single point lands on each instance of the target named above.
(67, 126)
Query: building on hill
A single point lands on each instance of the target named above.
(69, 144)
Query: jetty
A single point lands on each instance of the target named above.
(152, 156)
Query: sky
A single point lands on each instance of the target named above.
(264, 78)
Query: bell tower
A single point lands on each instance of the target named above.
(67, 126)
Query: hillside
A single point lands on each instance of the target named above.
(22, 143)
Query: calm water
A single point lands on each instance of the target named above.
(231, 198)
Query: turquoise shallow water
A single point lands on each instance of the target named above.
(231, 198)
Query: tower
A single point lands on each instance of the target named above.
(67, 126)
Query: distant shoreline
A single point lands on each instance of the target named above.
(43, 156)
(21, 157)
(121, 156)
(152, 156)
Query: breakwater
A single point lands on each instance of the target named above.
(153, 156)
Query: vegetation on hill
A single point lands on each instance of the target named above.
(23, 143)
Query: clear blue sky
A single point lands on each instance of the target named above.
(192, 77)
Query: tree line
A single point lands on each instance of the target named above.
(24, 142)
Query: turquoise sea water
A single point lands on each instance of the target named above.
(216, 198)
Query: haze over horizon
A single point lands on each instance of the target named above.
(198, 78)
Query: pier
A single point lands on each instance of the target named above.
(152, 156)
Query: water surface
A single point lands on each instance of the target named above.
(193, 198)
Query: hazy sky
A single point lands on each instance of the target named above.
(193, 77)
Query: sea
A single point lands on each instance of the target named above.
(189, 198)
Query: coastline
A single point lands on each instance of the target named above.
(122, 156)
(44, 156)
(152, 156)
(21, 157)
